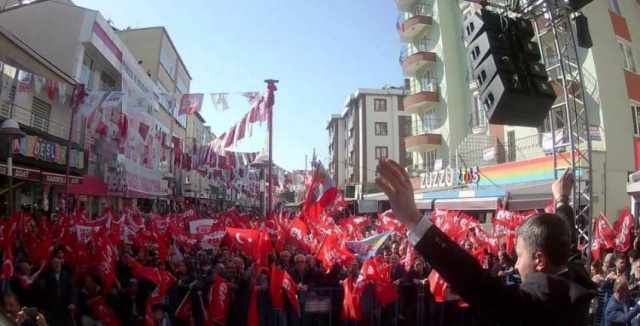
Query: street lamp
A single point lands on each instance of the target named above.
(10, 130)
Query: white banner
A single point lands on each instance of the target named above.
(202, 226)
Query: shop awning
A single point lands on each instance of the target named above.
(468, 204)
(91, 186)
(535, 196)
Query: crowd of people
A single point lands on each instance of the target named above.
(147, 269)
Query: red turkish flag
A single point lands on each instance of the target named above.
(101, 311)
(184, 313)
(623, 227)
(605, 234)
(246, 240)
(351, 307)
(253, 319)
(105, 258)
(275, 288)
(438, 286)
(263, 250)
(298, 233)
(330, 253)
(290, 288)
(219, 297)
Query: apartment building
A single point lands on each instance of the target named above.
(38, 175)
(158, 56)
(337, 164)
(82, 44)
(373, 124)
(512, 165)
(438, 100)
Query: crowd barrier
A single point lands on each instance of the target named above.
(323, 306)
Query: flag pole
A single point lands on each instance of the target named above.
(77, 98)
(271, 88)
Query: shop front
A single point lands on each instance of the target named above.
(39, 172)
(479, 191)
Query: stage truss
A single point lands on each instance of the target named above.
(571, 147)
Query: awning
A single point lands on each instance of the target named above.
(468, 204)
(91, 186)
(535, 196)
(425, 204)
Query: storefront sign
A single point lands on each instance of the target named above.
(449, 178)
(21, 173)
(47, 151)
(59, 179)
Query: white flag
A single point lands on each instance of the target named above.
(62, 93)
(252, 97)
(220, 101)
(6, 82)
(38, 83)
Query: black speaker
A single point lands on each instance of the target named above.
(486, 44)
(480, 22)
(510, 101)
(577, 4)
(489, 68)
(583, 33)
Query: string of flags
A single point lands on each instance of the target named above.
(22, 80)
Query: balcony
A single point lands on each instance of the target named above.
(39, 121)
(424, 135)
(404, 5)
(424, 95)
(478, 122)
(415, 58)
(414, 23)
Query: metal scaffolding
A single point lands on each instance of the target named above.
(573, 148)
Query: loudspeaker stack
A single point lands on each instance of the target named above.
(513, 83)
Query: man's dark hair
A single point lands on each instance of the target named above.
(621, 256)
(633, 254)
(549, 234)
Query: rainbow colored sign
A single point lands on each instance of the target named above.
(538, 169)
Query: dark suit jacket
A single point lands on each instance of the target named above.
(614, 314)
(542, 299)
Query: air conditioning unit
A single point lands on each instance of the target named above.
(634, 177)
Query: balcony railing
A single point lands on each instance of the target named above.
(427, 125)
(422, 9)
(423, 84)
(414, 170)
(424, 45)
(478, 119)
(40, 122)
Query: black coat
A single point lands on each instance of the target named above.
(542, 299)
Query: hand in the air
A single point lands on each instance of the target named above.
(564, 185)
(395, 182)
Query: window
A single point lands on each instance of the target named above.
(382, 152)
(429, 121)
(6, 107)
(160, 89)
(182, 86)
(628, 61)
(40, 112)
(165, 62)
(86, 72)
(635, 112)
(615, 7)
(107, 84)
(430, 159)
(381, 128)
(380, 105)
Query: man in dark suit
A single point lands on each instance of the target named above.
(57, 294)
(620, 309)
(547, 296)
